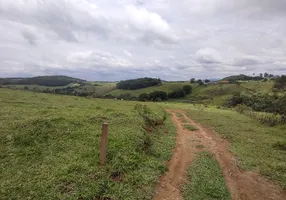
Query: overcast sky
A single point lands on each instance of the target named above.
(121, 39)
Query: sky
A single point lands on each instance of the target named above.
(121, 39)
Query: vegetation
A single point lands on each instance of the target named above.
(190, 127)
(139, 83)
(49, 147)
(256, 146)
(206, 180)
(158, 96)
(41, 80)
(165, 87)
(242, 77)
(187, 89)
(179, 93)
(280, 83)
(272, 103)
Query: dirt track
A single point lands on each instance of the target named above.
(243, 185)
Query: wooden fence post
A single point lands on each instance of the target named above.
(103, 143)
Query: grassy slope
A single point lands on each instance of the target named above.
(219, 93)
(49, 148)
(166, 87)
(252, 142)
(98, 88)
(206, 180)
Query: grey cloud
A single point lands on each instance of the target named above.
(30, 37)
(172, 39)
(208, 56)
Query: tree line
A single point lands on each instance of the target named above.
(138, 83)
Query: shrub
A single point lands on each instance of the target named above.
(241, 108)
(280, 83)
(158, 96)
(179, 93)
(187, 89)
(143, 97)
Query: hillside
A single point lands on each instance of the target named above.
(41, 80)
(166, 87)
(49, 147)
(242, 77)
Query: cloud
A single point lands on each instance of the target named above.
(208, 56)
(114, 40)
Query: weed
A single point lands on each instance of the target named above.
(190, 127)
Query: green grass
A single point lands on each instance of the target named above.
(166, 87)
(252, 143)
(206, 180)
(49, 148)
(257, 86)
(190, 127)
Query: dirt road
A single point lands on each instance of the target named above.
(243, 185)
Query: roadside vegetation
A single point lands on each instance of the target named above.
(206, 180)
(49, 147)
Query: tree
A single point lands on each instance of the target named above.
(187, 89)
(261, 75)
(179, 93)
(200, 82)
(207, 81)
(158, 95)
(280, 83)
(266, 75)
(134, 84)
(193, 80)
(143, 97)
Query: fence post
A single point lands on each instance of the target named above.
(103, 143)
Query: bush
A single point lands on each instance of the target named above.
(280, 83)
(143, 97)
(158, 96)
(241, 108)
(271, 103)
(177, 94)
(187, 89)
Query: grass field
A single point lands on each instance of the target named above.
(257, 147)
(206, 180)
(166, 87)
(49, 148)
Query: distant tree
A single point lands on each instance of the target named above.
(193, 80)
(143, 97)
(200, 82)
(179, 93)
(207, 81)
(280, 83)
(187, 89)
(158, 95)
(261, 75)
(134, 84)
(26, 88)
(266, 75)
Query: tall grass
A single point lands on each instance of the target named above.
(269, 119)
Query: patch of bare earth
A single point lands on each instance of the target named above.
(243, 185)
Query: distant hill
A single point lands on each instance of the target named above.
(41, 80)
(241, 77)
